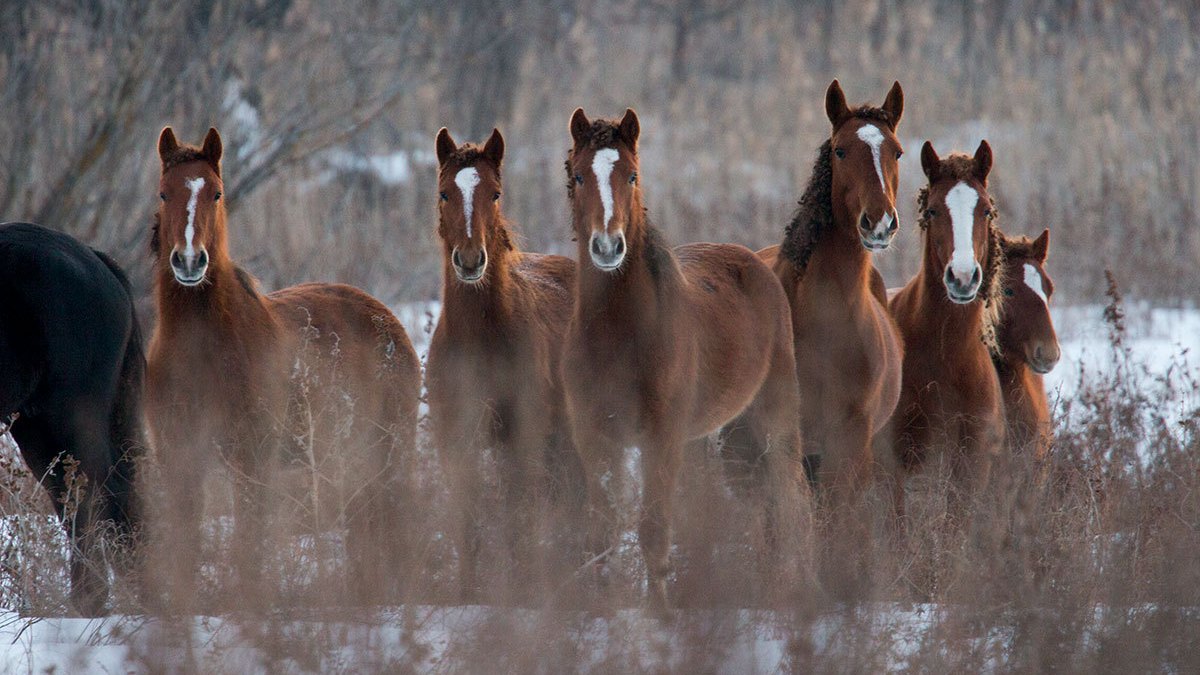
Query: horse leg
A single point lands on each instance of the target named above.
(661, 460)
(599, 458)
(377, 540)
(457, 447)
(75, 483)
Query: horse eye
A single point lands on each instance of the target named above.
(633, 178)
(987, 213)
(496, 197)
(931, 213)
(162, 196)
(841, 154)
(579, 179)
(443, 197)
(899, 153)
(217, 197)
(1008, 292)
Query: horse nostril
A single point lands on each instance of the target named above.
(977, 275)
(864, 223)
(455, 258)
(596, 246)
(176, 259)
(620, 248)
(202, 259)
(895, 225)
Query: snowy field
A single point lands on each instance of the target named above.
(428, 639)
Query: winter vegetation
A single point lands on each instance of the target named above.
(1086, 561)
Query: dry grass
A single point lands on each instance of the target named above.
(1095, 568)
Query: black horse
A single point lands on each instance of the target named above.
(71, 373)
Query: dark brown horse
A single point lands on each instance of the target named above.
(848, 349)
(320, 373)
(950, 398)
(665, 346)
(493, 370)
(1026, 341)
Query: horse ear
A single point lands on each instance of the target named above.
(1041, 246)
(445, 145)
(630, 128)
(983, 161)
(167, 143)
(580, 126)
(893, 105)
(835, 104)
(929, 161)
(212, 149)
(494, 148)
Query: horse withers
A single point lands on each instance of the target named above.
(71, 371)
(665, 346)
(319, 374)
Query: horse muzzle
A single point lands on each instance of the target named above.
(189, 270)
(877, 236)
(607, 251)
(469, 267)
(962, 289)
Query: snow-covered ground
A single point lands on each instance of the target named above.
(431, 639)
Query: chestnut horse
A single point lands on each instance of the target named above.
(1026, 341)
(322, 373)
(665, 345)
(848, 349)
(493, 368)
(950, 397)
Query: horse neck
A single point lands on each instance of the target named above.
(840, 257)
(953, 323)
(491, 297)
(219, 305)
(649, 272)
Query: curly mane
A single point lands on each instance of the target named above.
(814, 214)
(959, 167)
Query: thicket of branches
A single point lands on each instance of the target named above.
(1090, 107)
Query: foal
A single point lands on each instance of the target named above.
(1026, 341)
(848, 349)
(322, 373)
(493, 369)
(950, 397)
(665, 346)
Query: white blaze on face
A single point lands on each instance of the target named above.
(602, 166)
(961, 201)
(466, 180)
(195, 185)
(1033, 279)
(873, 137)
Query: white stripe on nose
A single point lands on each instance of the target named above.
(466, 180)
(873, 137)
(602, 166)
(189, 232)
(1033, 279)
(961, 201)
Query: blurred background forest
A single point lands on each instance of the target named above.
(329, 111)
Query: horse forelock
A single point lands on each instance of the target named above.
(468, 154)
(184, 154)
(871, 114)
